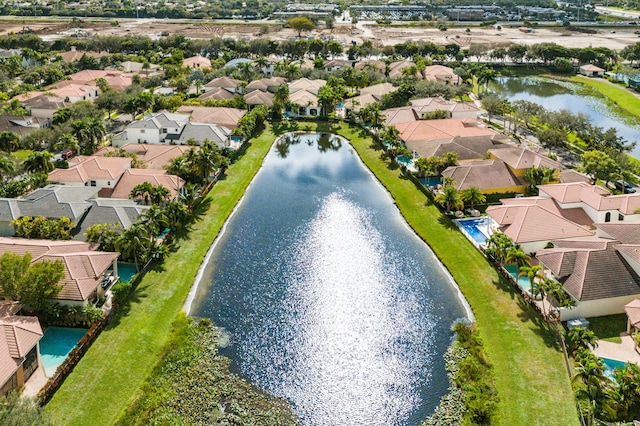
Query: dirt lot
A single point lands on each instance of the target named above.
(345, 33)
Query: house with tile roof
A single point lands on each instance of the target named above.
(595, 272)
(196, 62)
(336, 64)
(520, 159)
(596, 201)
(370, 64)
(44, 106)
(133, 177)
(466, 148)
(441, 74)
(229, 84)
(92, 171)
(224, 117)
(217, 94)
(395, 69)
(306, 102)
(490, 176)
(52, 202)
(19, 337)
(265, 85)
(425, 106)
(591, 70)
(152, 156)
(76, 92)
(22, 125)
(116, 80)
(85, 269)
(74, 55)
(305, 84)
(114, 211)
(258, 97)
(532, 222)
(430, 130)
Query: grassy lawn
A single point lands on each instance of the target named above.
(532, 382)
(21, 154)
(619, 96)
(609, 328)
(108, 377)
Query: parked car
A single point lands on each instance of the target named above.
(68, 154)
(624, 187)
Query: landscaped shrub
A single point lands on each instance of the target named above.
(472, 397)
(192, 385)
(121, 291)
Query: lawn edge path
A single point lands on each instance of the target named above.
(108, 377)
(529, 370)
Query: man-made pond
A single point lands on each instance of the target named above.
(325, 296)
(554, 95)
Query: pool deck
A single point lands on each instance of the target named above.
(624, 351)
(35, 382)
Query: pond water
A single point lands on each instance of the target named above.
(555, 95)
(325, 296)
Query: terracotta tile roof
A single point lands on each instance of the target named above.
(76, 90)
(442, 129)
(218, 93)
(571, 192)
(379, 90)
(8, 307)
(591, 67)
(625, 232)
(485, 175)
(399, 115)
(223, 82)
(265, 84)
(632, 251)
(395, 68)
(76, 55)
(133, 177)
(572, 176)
(595, 270)
(258, 97)
(305, 84)
(154, 156)
(83, 267)
(86, 168)
(45, 102)
(18, 336)
(525, 223)
(522, 158)
(303, 98)
(226, 117)
(358, 102)
(632, 310)
(197, 61)
(467, 148)
(440, 73)
(370, 63)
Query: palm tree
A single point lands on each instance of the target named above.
(498, 245)
(9, 141)
(582, 338)
(532, 272)
(133, 243)
(291, 71)
(487, 76)
(61, 115)
(159, 194)
(39, 162)
(7, 166)
(177, 215)
(142, 191)
(590, 384)
(190, 195)
(473, 196)
(66, 141)
(515, 255)
(154, 220)
(96, 133)
(449, 198)
(246, 70)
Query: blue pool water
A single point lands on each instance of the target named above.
(473, 228)
(56, 344)
(126, 271)
(431, 181)
(610, 365)
(523, 282)
(404, 160)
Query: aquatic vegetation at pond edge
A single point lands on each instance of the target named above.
(192, 384)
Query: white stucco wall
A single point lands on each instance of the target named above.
(597, 308)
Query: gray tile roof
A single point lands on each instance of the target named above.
(201, 131)
(591, 268)
(109, 210)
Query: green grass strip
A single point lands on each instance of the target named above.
(108, 377)
(532, 382)
(619, 97)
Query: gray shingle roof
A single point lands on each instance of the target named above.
(109, 210)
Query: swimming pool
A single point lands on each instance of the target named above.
(476, 228)
(431, 181)
(523, 282)
(404, 160)
(56, 344)
(610, 365)
(126, 271)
